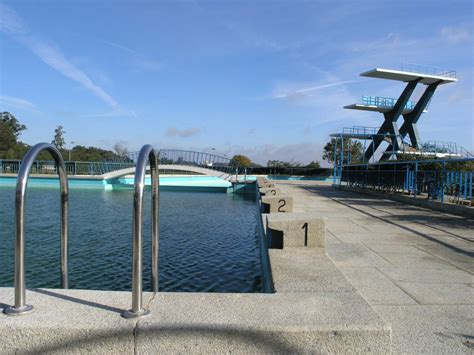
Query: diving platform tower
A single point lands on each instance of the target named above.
(392, 108)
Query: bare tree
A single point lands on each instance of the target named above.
(120, 149)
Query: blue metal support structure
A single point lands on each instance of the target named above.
(389, 126)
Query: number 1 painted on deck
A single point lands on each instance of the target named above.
(305, 227)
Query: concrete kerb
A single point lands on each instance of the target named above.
(279, 203)
(296, 230)
(269, 191)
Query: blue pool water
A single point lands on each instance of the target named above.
(180, 183)
(208, 241)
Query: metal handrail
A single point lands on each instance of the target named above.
(147, 154)
(20, 306)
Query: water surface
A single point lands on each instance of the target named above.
(208, 241)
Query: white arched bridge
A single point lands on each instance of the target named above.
(167, 167)
(173, 160)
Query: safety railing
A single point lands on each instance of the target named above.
(147, 154)
(386, 102)
(8, 166)
(20, 306)
(442, 180)
(360, 130)
(428, 70)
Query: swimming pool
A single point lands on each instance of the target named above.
(208, 241)
(167, 182)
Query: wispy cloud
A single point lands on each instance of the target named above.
(49, 53)
(456, 34)
(182, 133)
(17, 102)
(115, 113)
(307, 91)
(136, 59)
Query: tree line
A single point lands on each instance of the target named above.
(11, 147)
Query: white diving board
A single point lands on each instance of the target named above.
(375, 108)
(406, 76)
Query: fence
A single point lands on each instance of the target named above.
(450, 181)
(72, 167)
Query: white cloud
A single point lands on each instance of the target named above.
(306, 91)
(10, 22)
(137, 60)
(182, 133)
(49, 53)
(456, 34)
(115, 113)
(17, 102)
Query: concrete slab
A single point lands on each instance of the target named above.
(388, 246)
(298, 229)
(314, 309)
(428, 275)
(375, 287)
(407, 261)
(355, 255)
(297, 270)
(430, 329)
(72, 321)
(264, 323)
(439, 293)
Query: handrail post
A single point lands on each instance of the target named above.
(147, 154)
(20, 306)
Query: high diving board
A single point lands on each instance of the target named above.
(406, 76)
(381, 109)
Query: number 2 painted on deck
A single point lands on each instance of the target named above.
(305, 227)
(283, 204)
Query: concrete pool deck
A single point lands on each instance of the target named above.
(410, 291)
(414, 266)
(313, 312)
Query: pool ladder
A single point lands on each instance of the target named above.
(147, 154)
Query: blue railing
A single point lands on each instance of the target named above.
(72, 167)
(428, 70)
(360, 130)
(388, 102)
(442, 180)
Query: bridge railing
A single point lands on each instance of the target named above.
(167, 156)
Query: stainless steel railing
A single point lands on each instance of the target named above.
(147, 154)
(20, 306)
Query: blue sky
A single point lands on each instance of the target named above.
(268, 79)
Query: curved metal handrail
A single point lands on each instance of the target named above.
(20, 306)
(147, 153)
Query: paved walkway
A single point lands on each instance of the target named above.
(414, 266)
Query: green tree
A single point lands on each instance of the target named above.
(353, 150)
(283, 164)
(13, 123)
(240, 161)
(7, 138)
(314, 165)
(58, 140)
